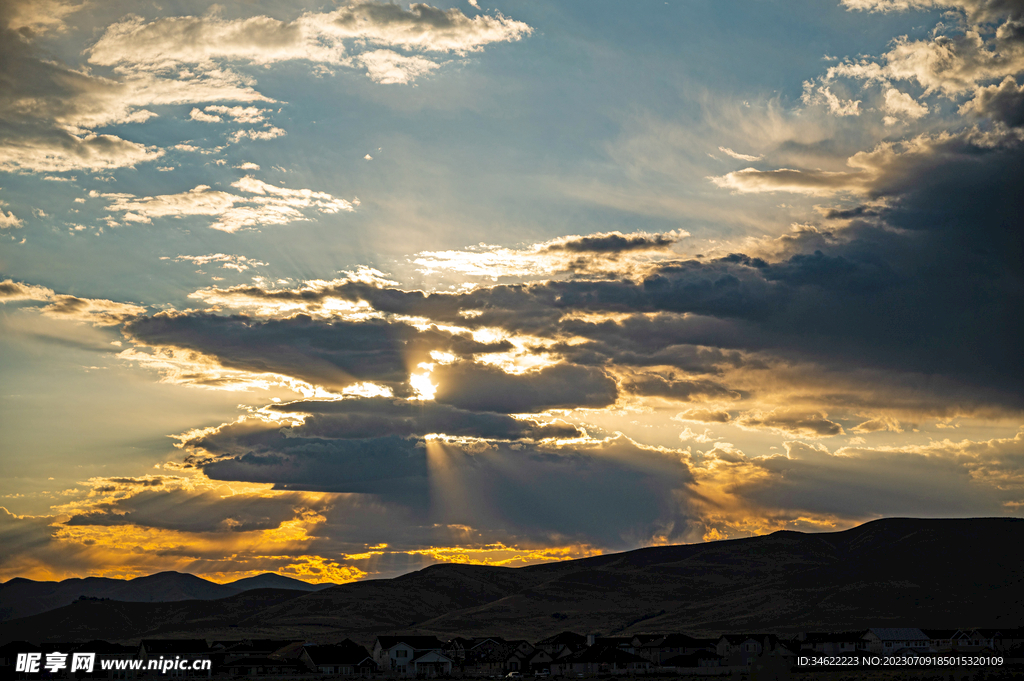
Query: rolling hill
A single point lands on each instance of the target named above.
(24, 597)
(892, 572)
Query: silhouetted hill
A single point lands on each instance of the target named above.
(270, 580)
(126, 621)
(893, 572)
(23, 597)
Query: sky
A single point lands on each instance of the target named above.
(339, 290)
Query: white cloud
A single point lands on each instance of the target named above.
(171, 41)
(823, 95)
(423, 27)
(814, 182)
(239, 263)
(265, 134)
(198, 115)
(41, 16)
(739, 156)
(901, 104)
(52, 109)
(268, 205)
(600, 252)
(9, 220)
(248, 165)
(976, 10)
(57, 151)
(949, 65)
(96, 311)
(240, 114)
(167, 43)
(390, 68)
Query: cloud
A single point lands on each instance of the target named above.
(11, 291)
(41, 150)
(324, 38)
(424, 27)
(239, 263)
(1003, 103)
(42, 16)
(239, 114)
(478, 387)
(98, 312)
(265, 205)
(50, 109)
(391, 68)
(702, 415)
(822, 95)
(267, 133)
(9, 220)
(878, 424)
(600, 254)
(94, 311)
(737, 155)
(333, 354)
(856, 483)
(793, 422)
(977, 10)
(603, 492)
(614, 242)
(815, 182)
(901, 104)
(682, 390)
(375, 417)
(948, 64)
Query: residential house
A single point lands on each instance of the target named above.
(411, 656)
(537, 661)
(344, 659)
(941, 640)
(739, 649)
(693, 661)
(263, 665)
(484, 656)
(229, 652)
(832, 643)
(672, 645)
(456, 648)
(599, 660)
(560, 644)
(890, 640)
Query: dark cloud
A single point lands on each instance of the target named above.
(813, 481)
(334, 354)
(795, 422)
(606, 493)
(375, 417)
(683, 390)
(704, 415)
(374, 465)
(925, 283)
(41, 98)
(1003, 103)
(478, 387)
(613, 243)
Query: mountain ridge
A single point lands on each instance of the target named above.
(21, 597)
(889, 572)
